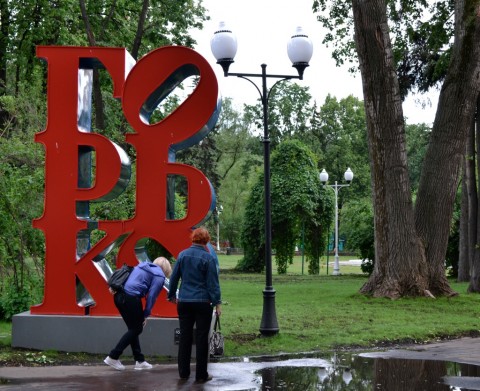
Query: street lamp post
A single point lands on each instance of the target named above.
(219, 210)
(336, 188)
(300, 50)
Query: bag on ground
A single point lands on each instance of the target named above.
(217, 343)
(119, 277)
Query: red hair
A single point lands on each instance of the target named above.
(200, 236)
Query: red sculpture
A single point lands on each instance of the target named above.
(67, 139)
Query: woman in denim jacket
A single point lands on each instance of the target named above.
(199, 291)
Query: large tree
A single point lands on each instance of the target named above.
(445, 153)
(289, 111)
(337, 135)
(411, 242)
(298, 202)
(471, 168)
(239, 160)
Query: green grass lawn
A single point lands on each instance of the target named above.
(228, 262)
(325, 312)
(5, 333)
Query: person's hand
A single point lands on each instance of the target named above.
(112, 291)
(218, 309)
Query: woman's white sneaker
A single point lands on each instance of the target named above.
(114, 363)
(143, 365)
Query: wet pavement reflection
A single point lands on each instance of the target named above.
(338, 371)
(356, 373)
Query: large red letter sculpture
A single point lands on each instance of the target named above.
(72, 265)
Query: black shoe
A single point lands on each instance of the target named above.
(203, 380)
(182, 380)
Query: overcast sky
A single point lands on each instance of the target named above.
(263, 29)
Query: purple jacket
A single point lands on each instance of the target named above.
(146, 279)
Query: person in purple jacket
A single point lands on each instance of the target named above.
(146, 280)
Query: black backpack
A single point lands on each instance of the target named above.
(119, 277)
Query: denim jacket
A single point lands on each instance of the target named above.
(196, 268)
(147, 280)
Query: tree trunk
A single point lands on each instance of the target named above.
(471, 163)
(4, 27)
(469, 205)
(411, 245)
(463, 248)
(472, 198)
(444, 157)
(140, 27)
(474, 285)
(400, 267)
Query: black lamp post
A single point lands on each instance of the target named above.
(300, 49)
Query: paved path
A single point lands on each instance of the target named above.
(463, 350)
(227, 376)
(231, 376)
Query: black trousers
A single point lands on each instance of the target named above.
(190, 314)
(131, 309)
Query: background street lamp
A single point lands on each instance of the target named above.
(336, 188)
(300, 50)
(219, 211)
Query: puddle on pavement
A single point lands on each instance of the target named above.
(357, 373)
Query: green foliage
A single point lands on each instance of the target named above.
(289, 110)
(5, 333)
(418, 137)
(296, 198)
(360, 230)
(336, 133)
(316, 231)
(38, 358)
(239, 160)
(104, 23)
(253, 232)
(338, 136)
(337, 20)
(422, 33)
(17, 298)
(21, 200)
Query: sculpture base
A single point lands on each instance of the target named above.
(91, 334)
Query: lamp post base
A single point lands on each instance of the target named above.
(336, 266)
(269, 324)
